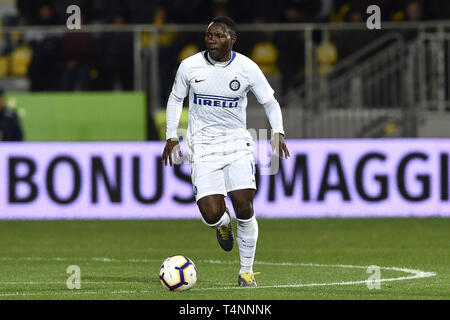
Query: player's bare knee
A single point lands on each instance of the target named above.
(244, 211)
(212, 211)
(211, 219)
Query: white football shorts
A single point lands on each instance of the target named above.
(220, 177)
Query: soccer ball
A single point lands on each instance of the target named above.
(178, 273)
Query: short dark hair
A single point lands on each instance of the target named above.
(228, 22)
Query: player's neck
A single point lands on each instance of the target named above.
(223, 60)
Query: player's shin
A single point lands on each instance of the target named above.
(246, 238)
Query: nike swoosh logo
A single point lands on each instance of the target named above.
(199, 80)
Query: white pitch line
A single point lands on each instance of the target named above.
(299, 285)
(25, 294)
(63, 282)
(95, 259)
(415, 274)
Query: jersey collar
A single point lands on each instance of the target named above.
(212, 62)
(233, 55)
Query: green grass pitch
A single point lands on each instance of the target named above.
(297, 258)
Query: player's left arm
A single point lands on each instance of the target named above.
(264, 94)
(279, 144)
(273, 113)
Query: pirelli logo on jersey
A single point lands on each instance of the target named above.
(216, 101)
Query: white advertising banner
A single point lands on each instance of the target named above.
(322, 178)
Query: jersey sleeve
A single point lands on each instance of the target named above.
(259, 84)
(180, 88)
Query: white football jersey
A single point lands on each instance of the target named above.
(218, 101)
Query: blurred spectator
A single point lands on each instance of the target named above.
(104, 11)
(76, 49)
(116, 59)
(326, 7)
(291, 58)
(255, 11)
(419, 10)
(218, 8)
(414, 10)
(27, 11)
(46, 15)
(356, 13)
(141, 11)
(301, 10)
(167, 58)
(340, 10)
(45, 68)
(184, 11)
(10, 128)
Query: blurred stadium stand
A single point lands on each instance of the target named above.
(333, 77)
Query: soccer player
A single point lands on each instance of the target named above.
(217, 81)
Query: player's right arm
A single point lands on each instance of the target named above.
(180, 90)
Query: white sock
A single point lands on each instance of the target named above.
(246, 238)
(223, 221)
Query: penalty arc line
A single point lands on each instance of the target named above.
(415, 274)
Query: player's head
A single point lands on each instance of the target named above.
(220, 38)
